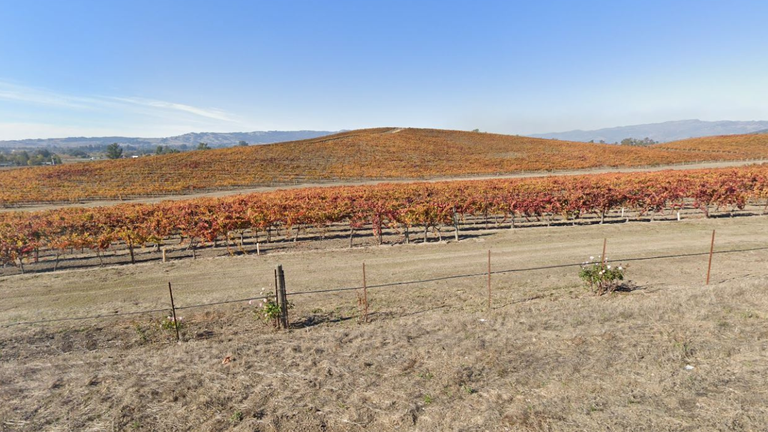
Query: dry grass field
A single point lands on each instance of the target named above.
(671, 353)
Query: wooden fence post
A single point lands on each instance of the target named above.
(711, 252)
(282, 297)
(173, 310)
(605, 243)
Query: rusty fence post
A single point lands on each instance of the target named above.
(489, 279)
(173, 311)
(363, 302)
(711, 252)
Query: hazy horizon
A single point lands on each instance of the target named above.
(88, 68)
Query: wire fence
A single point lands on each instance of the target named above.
(377, 286)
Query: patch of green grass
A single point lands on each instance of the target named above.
(141, 332)
(236, 417)
(749, 314)
(425, 375)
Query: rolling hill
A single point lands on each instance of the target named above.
(384, 153)
(662, 132)
(743, 146)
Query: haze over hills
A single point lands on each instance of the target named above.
(662, 132)
(213, 139)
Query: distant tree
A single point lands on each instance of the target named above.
(43, 157)
(114, 151)
(638, 142)
(242, 143)
(21, 158)
(161, 150)
(203, 146)
(475, 130)
(78, 152)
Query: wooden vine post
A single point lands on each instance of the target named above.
(455, 224)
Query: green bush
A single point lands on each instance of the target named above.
(601, 277)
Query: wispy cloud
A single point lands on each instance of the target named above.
(42, 97)
(24, 94)
(208, 113)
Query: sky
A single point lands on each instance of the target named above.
(161, 68)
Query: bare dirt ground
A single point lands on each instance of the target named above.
(671, 354)
(239, 191)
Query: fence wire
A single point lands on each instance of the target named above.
(375, 286)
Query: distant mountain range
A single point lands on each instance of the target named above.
(662, 132)
(213, 139)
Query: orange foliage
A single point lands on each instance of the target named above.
(363, 154)
(379, 206)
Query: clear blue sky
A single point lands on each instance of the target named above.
(159, 68)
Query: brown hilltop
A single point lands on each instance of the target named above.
(382, 153)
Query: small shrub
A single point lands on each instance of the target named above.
(172, 324)
(268, 309)
(601, 277)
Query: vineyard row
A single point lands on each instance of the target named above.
(406, 208)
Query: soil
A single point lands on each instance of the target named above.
(667, 353)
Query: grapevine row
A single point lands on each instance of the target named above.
(401, 206)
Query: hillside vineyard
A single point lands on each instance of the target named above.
(395, 206)
(357, 155)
